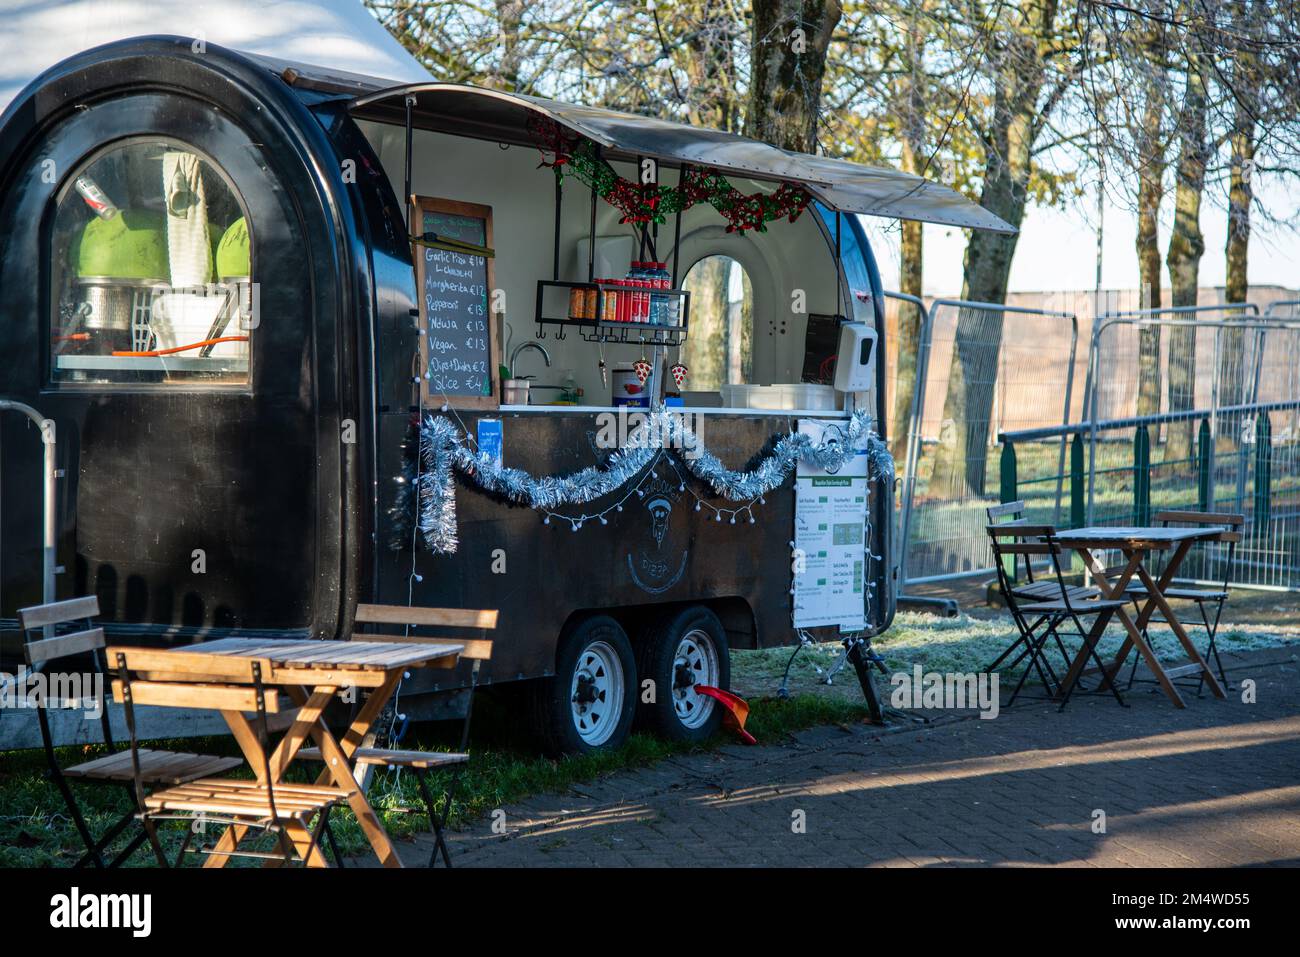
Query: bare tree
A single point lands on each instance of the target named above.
(897, 95)
(1030, 69)
(787, 64)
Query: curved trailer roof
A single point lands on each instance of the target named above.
(342, 34)
(504, 117)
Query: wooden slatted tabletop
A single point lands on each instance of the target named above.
(1143, 538)
(336, 655)
(311, 662)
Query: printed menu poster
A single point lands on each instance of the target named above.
(830, 519)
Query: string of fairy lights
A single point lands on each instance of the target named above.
(651, 474)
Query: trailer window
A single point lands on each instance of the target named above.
(719, 349)
(151, 258)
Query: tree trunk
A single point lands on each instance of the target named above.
(1186, 246)
(1233, 374)
(909, 334)
(1240, 197)
(911, 247)
(962, 457)
(788, 61)
(1150, 192)
(1149, 140)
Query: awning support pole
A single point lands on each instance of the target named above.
(677, 227)
(406, 196)
(839, 269)
(591, 239)
(559, 205)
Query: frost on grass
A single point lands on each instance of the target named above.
(966, 644)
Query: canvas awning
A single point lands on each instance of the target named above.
(505, 117)
(876, 191)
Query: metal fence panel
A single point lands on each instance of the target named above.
(1217, 431)
(981, 371)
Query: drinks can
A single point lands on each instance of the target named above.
(95, 197)
(609, 311)
(624, 300)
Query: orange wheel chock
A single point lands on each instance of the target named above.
(735, 713)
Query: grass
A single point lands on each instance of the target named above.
(963, 644)
(35, 830)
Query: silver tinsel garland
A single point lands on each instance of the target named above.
(444, 453)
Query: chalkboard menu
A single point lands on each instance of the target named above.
(459, 347)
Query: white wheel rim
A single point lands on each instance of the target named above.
(596, 693)
(694, 663)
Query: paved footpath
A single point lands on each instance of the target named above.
(1215, 784)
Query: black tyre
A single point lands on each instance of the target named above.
(685, 649)
(590, 703)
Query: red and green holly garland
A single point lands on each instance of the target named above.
(653, 204)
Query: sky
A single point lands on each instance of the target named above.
(1057, 247)
(1057, 250)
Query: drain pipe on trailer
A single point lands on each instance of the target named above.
(48, 504)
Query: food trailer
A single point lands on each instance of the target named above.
(285, 326)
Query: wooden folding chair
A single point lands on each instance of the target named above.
(1203, 598)
(232, 685)
(115, 768)
(1038, 619)
(420, 763)
(1030, 587)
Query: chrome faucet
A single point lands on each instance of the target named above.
(514, 356)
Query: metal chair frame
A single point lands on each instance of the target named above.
(272, 823)
(437, 818)
(1033, 540)
(94, 848)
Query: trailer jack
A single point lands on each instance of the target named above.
(857, 652)
(863, 657)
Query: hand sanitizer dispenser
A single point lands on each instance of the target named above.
(855, 363)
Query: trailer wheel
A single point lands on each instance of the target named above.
(590, 703)
(686, 649)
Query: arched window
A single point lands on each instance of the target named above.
(151, 261)
(719, 349)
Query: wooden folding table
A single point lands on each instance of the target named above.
(1135, 544)
(311, 673)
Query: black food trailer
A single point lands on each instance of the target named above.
(273, 319)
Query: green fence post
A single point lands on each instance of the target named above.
(1007, 490)
(1203, 477)
(1141, 475)
(1077, 486)
(1263, 472)
(1007, 493)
